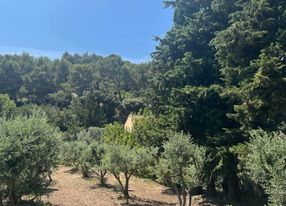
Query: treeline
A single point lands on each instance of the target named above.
(209, 109)
(98, 90)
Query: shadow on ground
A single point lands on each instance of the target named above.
(134, 200)
(137, 201)
(202, 200)
(168, 191)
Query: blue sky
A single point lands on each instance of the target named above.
(50, 27)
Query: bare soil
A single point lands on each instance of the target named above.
(71, 190)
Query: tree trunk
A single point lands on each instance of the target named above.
(190, 200)
(85, 171)
(120, 96)
(117, 177)
(232, 178)
(184, 193)
(102, 179)
(179, 197)
(211, 190)
(183, 188)
(233, 187)
(224, 186)
(126, 189)
(76, 166)
(12, 196)
(178, 192)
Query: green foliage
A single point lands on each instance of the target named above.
(80, 78)
(221, 71)
(264, 94)
(29, 148)
(115, 76)
(119, 158)
(71, 153)
(85, 153)
(181, 165)
(106, 80)
(97, 152)
(94, 109)
(204, 124)
(151, 131)
(141, 76)
(187, 78)
(69, 122)
(116, 134)
(40, 81)
(10, 77)
(265, 162)
(92, 134)
(7, 106)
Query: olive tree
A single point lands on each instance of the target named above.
(90, 135)
(91, 161)
(85, 153)
(181, 166)
(29, 148)
(265, 162)
(126, 160)
(77, 154)
(90, 152)
(71, 153)
(96, 152)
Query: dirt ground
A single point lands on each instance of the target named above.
(71, 190)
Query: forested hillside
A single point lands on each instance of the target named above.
(72, 81)
(209, 109)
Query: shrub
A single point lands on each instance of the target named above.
(181, 165)
(266, 164)
(28, 153)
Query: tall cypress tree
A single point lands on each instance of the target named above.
(221, 71)
(187, 81)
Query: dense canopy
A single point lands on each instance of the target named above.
(213, 96)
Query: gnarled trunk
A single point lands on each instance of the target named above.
(178, 192)
(102, 177)
(124, 188)
(85, 171)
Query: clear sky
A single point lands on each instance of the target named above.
(50, 27)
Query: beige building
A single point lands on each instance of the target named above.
(131, 121)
